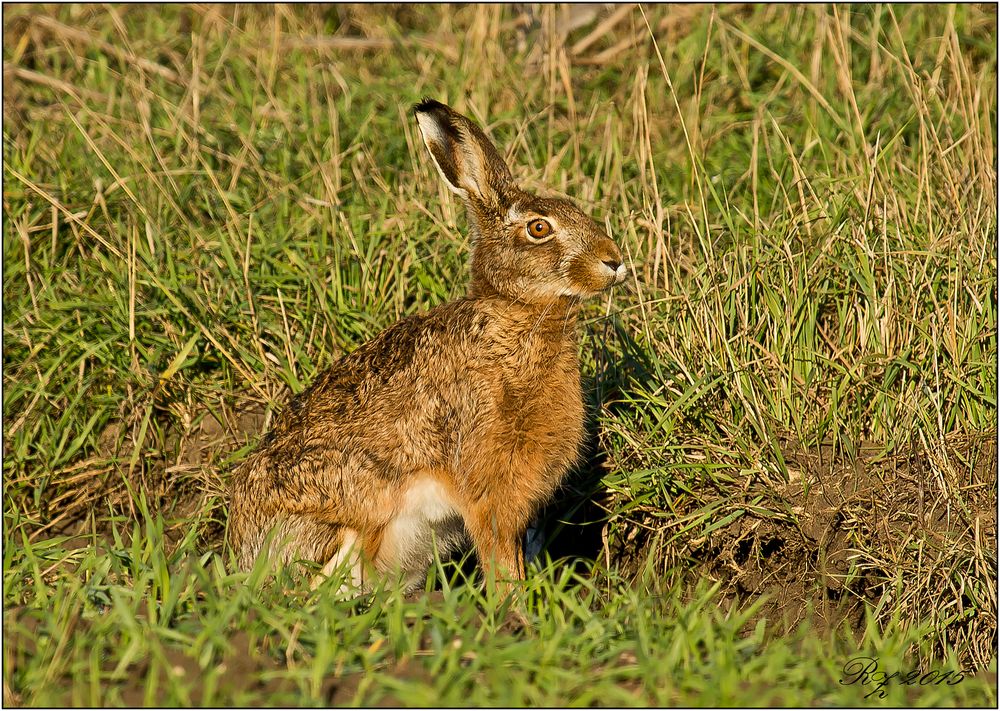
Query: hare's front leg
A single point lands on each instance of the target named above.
(497, 537)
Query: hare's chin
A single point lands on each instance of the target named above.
(571, 290)
(599, 286)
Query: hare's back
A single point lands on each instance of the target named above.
(391, 405)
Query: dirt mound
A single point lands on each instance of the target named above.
(911, 534)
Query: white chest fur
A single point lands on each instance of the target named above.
(427, 499)
(427, 518)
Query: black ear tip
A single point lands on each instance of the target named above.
(427, 105)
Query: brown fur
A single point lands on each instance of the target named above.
(461, 419)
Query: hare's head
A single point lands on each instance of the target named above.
(528, 248)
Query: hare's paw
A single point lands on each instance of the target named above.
(347, 564)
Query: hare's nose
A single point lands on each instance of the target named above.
(610, 256)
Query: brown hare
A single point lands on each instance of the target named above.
(461, 420)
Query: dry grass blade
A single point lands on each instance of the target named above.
(793, 70)
(58, 28)
(73, 217)
(602, 29)
(59, 85)
(360, 44)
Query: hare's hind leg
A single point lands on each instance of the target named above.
(336, 546)
(290, 537)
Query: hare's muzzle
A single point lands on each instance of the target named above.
(612, 263)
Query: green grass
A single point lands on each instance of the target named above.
(795, 397)
(137, 626)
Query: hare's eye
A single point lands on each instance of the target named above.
(538, 230)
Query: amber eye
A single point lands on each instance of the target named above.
(539, 230)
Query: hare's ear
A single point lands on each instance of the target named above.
(464, 156)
